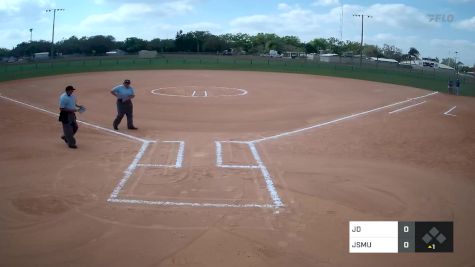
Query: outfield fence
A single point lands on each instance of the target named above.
(431, 79)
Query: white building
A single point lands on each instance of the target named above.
(42, 55)
(421, 63)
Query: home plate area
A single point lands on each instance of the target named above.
(161, 175)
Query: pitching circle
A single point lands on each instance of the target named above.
(199, 91)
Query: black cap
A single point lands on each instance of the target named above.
(69, 88)
(126, 81)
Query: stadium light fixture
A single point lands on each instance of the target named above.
(362, 27)
(54, 19)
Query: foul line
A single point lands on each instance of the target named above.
(79, 121)
(404, 108)
(448, 111)
(339, 119)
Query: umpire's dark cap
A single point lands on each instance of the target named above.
(126, 81)
(70, 88)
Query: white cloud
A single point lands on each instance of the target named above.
(468, 24)
(174, 8)
(14, 6)
(126, 12)
(202, 26)
(310, 23)
(326, 3)
(130, 12)
(283, 6)
(398, 15)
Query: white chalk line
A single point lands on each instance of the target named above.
(260, 165)
(219, 157)
(134, 164)
(338, 120)
(79, 121)
(265, 173)
(190, 204)
(114, 197)
(268, 179)
(404, 108)
(448, 112)
(241, 92)
(129, 171)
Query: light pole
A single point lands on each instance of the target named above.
(31, 34)
(54, 19)
(455, 62)
(362, 27)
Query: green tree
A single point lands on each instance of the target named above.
(316, 45)
(28, 49)
(372, 51)
(214, 44)
(449, 62)
(350, 46)
(391, 51)
(97, 45)
(238, 42)
(134, 44)
(69, 46)
(155, 44)
(4, 52)
(413, 52)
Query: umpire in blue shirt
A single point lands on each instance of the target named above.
(68, 108)
(124, 94)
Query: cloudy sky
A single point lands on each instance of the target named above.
(434, 27)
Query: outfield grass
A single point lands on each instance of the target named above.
(431, 80)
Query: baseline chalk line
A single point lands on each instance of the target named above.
(339, 119)
(79, 121)
(404, 108)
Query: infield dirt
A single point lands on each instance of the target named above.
(413, 165)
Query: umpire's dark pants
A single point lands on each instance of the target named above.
(124, 108)
(70, 127)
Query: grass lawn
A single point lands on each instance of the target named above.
(431, 80)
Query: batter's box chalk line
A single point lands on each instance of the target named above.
(115, 198)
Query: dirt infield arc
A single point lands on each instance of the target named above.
(279, 171)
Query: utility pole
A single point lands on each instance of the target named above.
(455, 62)
(31, 35)
(54, 19)
(362, 27)
(341, 24)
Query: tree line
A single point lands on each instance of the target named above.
(205, 42)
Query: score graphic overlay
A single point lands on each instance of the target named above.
(403, 236)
